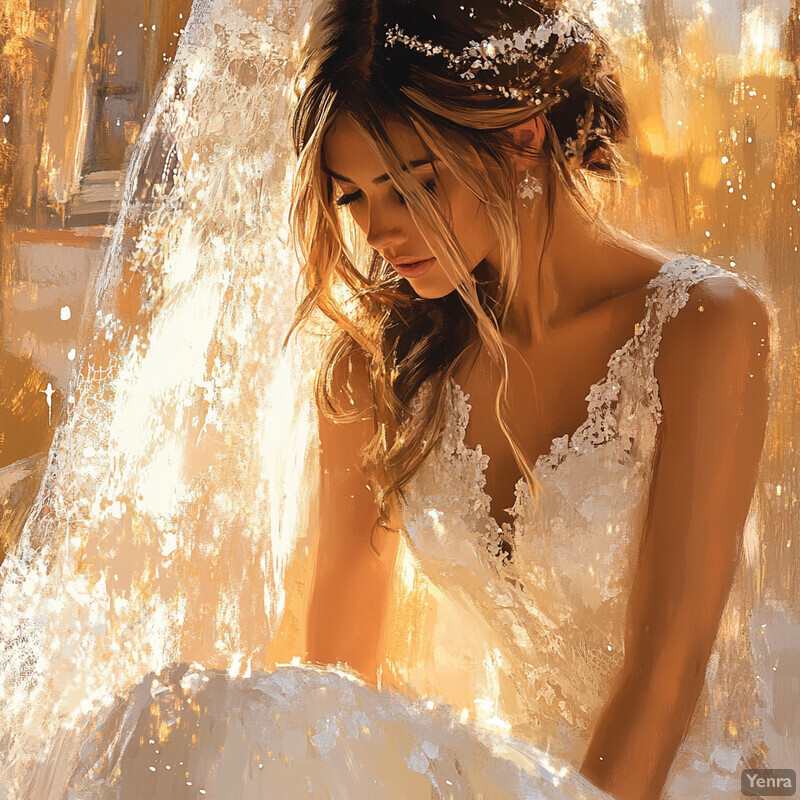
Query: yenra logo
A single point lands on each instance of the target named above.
(769, 782)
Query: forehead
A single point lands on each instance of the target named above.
(347, 151)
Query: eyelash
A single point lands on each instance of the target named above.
(346, 199)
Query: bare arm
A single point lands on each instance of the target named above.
(712, 371)
(355, 556)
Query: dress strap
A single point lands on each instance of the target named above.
(615, 402)
(669, 293)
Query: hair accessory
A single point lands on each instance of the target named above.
(555, 34)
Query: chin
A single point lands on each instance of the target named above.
(432, 287)
(431, 292)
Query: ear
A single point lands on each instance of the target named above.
(529, 136)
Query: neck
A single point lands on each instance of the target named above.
(555, 280)
(584, 263)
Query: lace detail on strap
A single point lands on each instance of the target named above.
(455, 472)
(633, 362)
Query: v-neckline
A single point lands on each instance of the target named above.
(566, 442)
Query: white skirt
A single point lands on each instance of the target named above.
(302, 732)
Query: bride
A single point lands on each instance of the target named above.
(515, 303)
(444, 213)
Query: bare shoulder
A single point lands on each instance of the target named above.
(729, 293)
(349, 383)
(723, 328)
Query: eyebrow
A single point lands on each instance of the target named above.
(420, 162)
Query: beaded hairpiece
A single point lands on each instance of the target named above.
(554, 34)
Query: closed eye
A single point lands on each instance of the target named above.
(351, 197)
(345, 199)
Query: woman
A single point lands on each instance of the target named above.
(447, 231)
(420, 126)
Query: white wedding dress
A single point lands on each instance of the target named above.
(554, 615)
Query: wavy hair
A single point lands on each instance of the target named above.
(348, 68)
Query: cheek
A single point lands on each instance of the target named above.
(471, 225)
(357, 217)
(462, 209)
(355, 222)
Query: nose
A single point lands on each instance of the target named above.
(383, 231)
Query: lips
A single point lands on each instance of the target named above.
(413, 269)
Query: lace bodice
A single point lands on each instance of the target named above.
(554, 613)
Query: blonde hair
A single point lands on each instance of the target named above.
(405, 339)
